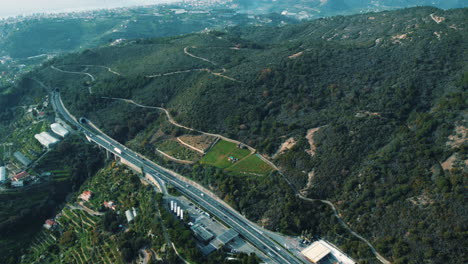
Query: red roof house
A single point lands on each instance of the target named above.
(86, 195)
(20, 176)
(49, 223)
(110, 205)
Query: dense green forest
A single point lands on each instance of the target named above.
(388, 91)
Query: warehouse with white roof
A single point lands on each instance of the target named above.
(46, 139)
(59, 130)
(3, 175)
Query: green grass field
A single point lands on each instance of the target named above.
(247, 163)
(251, 165)
(218, 155)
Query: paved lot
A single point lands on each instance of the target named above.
(198, 216)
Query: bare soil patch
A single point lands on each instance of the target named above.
(450, 162)
(310, 138)
(460, 137)
(296, 55)
(310, 178)
(287, 145)
(437, 19)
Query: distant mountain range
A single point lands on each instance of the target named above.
(346, 4)
(317, 8)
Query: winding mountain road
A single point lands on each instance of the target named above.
(209, 61)
(197, 57)
(90, 89)
(342, 222)
(105, 67)
(82, 73)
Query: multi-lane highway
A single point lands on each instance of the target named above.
(247, 229)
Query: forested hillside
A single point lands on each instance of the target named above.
(381, 97)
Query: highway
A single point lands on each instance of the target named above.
(244, 227)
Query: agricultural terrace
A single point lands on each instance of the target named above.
(245, 162)
(173, 148)
(105, 236)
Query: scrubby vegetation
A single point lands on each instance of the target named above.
(389, 89)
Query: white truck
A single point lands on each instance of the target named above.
(118, 150)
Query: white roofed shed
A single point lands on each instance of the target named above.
(46, 139)
(59, 130)
(3, 175)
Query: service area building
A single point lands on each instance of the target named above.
(201, 233)
(224, 238)
(322, 252)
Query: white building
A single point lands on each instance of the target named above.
(3, 175)
(326, 252)
(59, 130)
(46, 139)
(129, 215)
(17, 183)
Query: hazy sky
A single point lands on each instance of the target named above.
(18, 7)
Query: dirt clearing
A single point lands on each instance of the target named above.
(287, 145)
(310, 138)
(459, 138)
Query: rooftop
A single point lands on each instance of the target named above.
(227, 236)
(21, 158)
(59, 129)
(21, 175)
(323, 252)
(86, 195)
(201, 233)
(316, 252)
